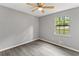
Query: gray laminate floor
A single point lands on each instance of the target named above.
(38, 48)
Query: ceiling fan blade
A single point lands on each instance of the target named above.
(48, 7)
(31, 4)
(34, 9)
(42, 11)
(42, 4)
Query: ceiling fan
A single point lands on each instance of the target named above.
(40, 6)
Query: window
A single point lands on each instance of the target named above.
(63, 25)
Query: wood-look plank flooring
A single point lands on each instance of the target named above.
(39, 48)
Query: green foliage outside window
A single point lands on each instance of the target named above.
(63, 25)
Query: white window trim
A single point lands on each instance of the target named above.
(67, 35)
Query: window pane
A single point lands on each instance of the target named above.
(62, 25)
(67, 29)
(58, 31)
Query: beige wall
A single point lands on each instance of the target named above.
(47, 26)
(16, 27)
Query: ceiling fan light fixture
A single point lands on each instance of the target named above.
(40, 9)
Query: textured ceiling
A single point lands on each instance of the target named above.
(27, 9)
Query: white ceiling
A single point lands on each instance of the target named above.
(27, 9)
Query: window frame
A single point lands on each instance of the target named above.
(55, 31)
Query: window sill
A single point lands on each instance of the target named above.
(62, 35)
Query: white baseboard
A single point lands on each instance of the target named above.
(22, 43)
(44, 39)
